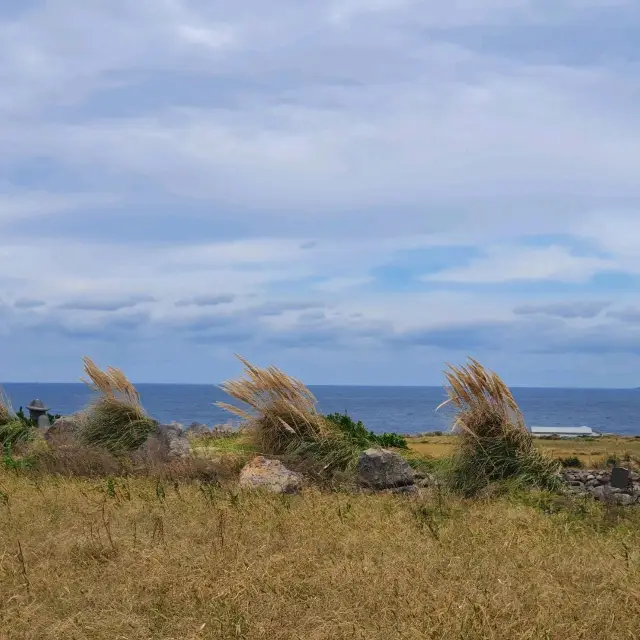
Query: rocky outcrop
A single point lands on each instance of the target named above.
(382, 469)
(65, 430)
(167, 442)
(597, 483)
(269, 475)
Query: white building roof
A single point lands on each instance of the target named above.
(563, 431)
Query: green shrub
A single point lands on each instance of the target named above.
(20, 414)
(15, 432)
(358, 433)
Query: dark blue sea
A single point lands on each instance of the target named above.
(399, 409)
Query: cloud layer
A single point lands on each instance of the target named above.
(356, 191)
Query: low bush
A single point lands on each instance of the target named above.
(357, 432)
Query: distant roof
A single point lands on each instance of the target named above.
(567, 430)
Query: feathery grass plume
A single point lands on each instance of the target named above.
(494, 442)
(116, 420)
(285, 420)
(6, 410)
(13, 431)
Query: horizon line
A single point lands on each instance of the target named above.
(355, 386)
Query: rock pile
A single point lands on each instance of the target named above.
(597, 483)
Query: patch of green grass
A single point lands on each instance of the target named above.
(15, 432)
(358, 433)
(116, 426)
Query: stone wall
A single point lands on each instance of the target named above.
(597, 483)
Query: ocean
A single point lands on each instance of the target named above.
(408, 410)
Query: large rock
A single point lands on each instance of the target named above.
(383, 469)
(271, 475)
(167, 442)
(65, 430)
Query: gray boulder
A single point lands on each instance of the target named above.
(383, 469)
(65, 430)
(270, 475)
(168, 442)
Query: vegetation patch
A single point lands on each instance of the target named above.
(116, 420)
(357, 432)
(493, 441)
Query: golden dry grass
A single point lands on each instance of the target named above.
(592, 452)
(84, 560)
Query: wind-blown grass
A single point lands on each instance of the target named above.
(494, 443)
(13, 431)
(7, 413)
(284, 420)
(116, 420)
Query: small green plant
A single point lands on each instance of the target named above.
(571, 461)
(9, 461)
(20, 415)
(15, 432)
(358, 433)
(613, 460)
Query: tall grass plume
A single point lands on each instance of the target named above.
(116, 420)
(494, 442)
(6, 410)
(284, 420)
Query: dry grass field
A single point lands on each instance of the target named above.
(593, 452)
(132, 559)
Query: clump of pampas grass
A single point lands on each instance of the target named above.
(494, 442)
(282, 419)
(115, 420)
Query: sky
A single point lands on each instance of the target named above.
(355, 191)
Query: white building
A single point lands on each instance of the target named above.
(564, 432)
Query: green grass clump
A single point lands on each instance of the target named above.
(15, 432)
(357, 432)
(494, 444)
(14, 428)
(283, 419)
(115, 421)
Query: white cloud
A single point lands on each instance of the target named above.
(504, 264)
(316, 143)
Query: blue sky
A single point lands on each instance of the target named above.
(357, 191)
